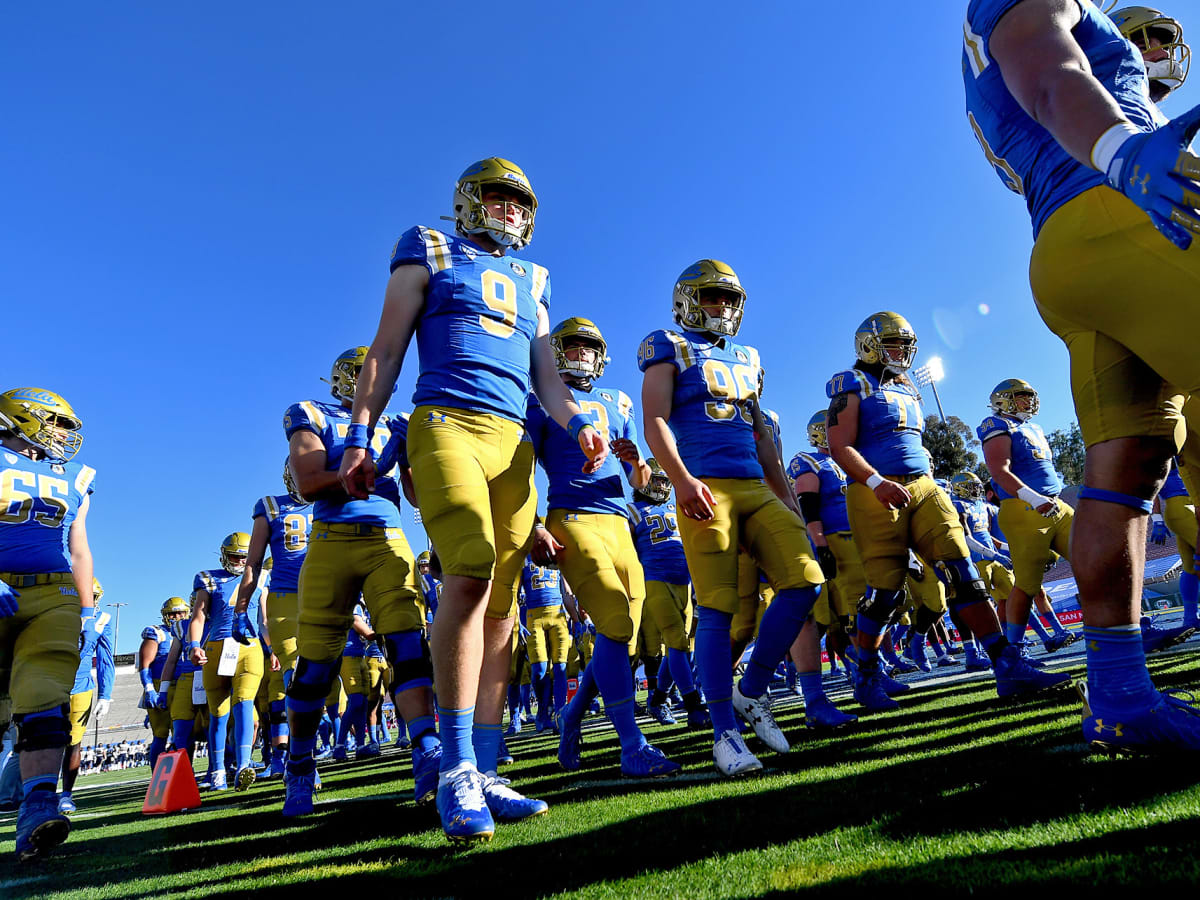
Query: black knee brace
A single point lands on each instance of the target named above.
(408, 654)
(879, 605)
(312, 680)
(48, 730)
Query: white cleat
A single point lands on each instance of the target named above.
(733, 757)
(757, 712)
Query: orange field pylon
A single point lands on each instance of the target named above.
(173, 785)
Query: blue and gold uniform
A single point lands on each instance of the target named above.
(160, 718)
(976, 516)
(1179, 512)
(549, 633)
(587, 515)
(222, 588)
(659, 547)
(1097, 257)
(1031, 536)
(289, 523)
(472, 468)
(39, 645)
(96, 641)
(180, 695)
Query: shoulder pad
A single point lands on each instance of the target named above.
(662, 346)
(993, 426)
(303, 415)
(203, 582)
(151, 633)
(423, 246)
(849, 381)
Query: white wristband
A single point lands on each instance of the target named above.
(875, 481)
(1109, 143)
(1032, 497)
(163, 685)
(1155, 518)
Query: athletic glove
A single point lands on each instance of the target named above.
(8, 601)
(243, 629)
(1158, 532)
(102, 708)
(828, 562)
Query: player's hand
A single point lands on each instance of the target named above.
(594, 447)
(199, 657)
(892, 495)
(828, 562)
(274, 663)
(694, 499)
(357, 473)
(1159, 531)
(8, 601)
(243, 629)
(1004, 560)
(151, 698)
(102, 707)
(545, 548)
(160, 700)
(625, 450)
(1157, 172)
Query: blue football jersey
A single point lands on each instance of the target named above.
(656, 537)
(330, 422)
(161, 636)
(710, 415)
(561, 457)
(395, 451)
(978, 520)
(222, 587)
(356, 644)
(96, 640)
(479, 320)
(184, 664)
(890, 422)
(540, 586)
(39, 499)
(1032, 460)
(1024, 154)
(431, 591)
(1173, 486)
(832, 480)
(290, 523)
(771, 418)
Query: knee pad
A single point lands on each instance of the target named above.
(476, 553)
(312, 680)
(963, 577)
(278, 714)
(46, 730)
(924, 619)
(412, 666)
(878, 604)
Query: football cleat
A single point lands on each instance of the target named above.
(278, 765)
(1015, 677)
(891, 686)
(368, 751)
(244, 778)
(40, 825)
(733, 757)
(298, 793)
(1056, 642)
(1155, 639)
(868, 691)
(462, 805)
(902, 665)
(425, 773)
(920, 660)
(821, 713)
(660, 713)
(514, 726)
(980, 663)
(648, 762)
(757, 712)
(504, 756)
(339, 753)
(570, 739)
(946, 661)
(698, 719)
(402, 743)
(1170, 724)
(323, 754)
(66, 803)
(506, 804)
(216, 781)
(544, 723)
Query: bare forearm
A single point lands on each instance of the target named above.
(662, 444)
(853, 463)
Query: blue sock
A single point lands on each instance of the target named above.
(1054, 623)
(1014, 632)
(526, 694)
(781, 623)
(681, 670)
(585, 692)
(1189, 589)
(218, 731)
(993, 644)
(181, 734)
(918, 645)
(610, 659)
(422, 731)
(810, 686)
(355, 715)
(243, 731)
(899, 633)
(305, 719)
(485, 738)
(559, 673)
(50, 780)
(156, 747)
(455, 726)
(514, 702)
(1038, 628)
(714, 663)
(279, 729)
(665, 681)
(1116, 669)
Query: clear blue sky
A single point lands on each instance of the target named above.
(200, 205)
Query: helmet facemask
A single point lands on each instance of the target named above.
(508, 220)
(1162, 36)
(289, 482)
(694, 317)
(55, 434)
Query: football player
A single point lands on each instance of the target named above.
(587, 534)
(152, 657)
(45, 585)
(1060, 102)
(1178, 517)
(874, 426)
(655, 527)
(231, 670)
(282, 523)
(355, 682)
(89, 693)
(548, 640)
(704, 424)
(480, 318)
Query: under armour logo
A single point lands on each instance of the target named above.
(435, 417)
(1118, 730)
(1134, 181)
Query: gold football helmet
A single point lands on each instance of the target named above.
(234, 550)
(423, 559)
(289, 482)
(1141, 23)
(579, 329)
(41, 418)
(888, 340)
(658, 488)
(343, 379)
(175, 608)
(967, 486)
(1006, 395)
(471, 215)
(708, 279)
(818, 436)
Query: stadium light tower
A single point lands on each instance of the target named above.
(930, 374)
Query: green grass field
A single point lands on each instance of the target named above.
(953, 792)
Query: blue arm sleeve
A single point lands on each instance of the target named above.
(106, 666)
